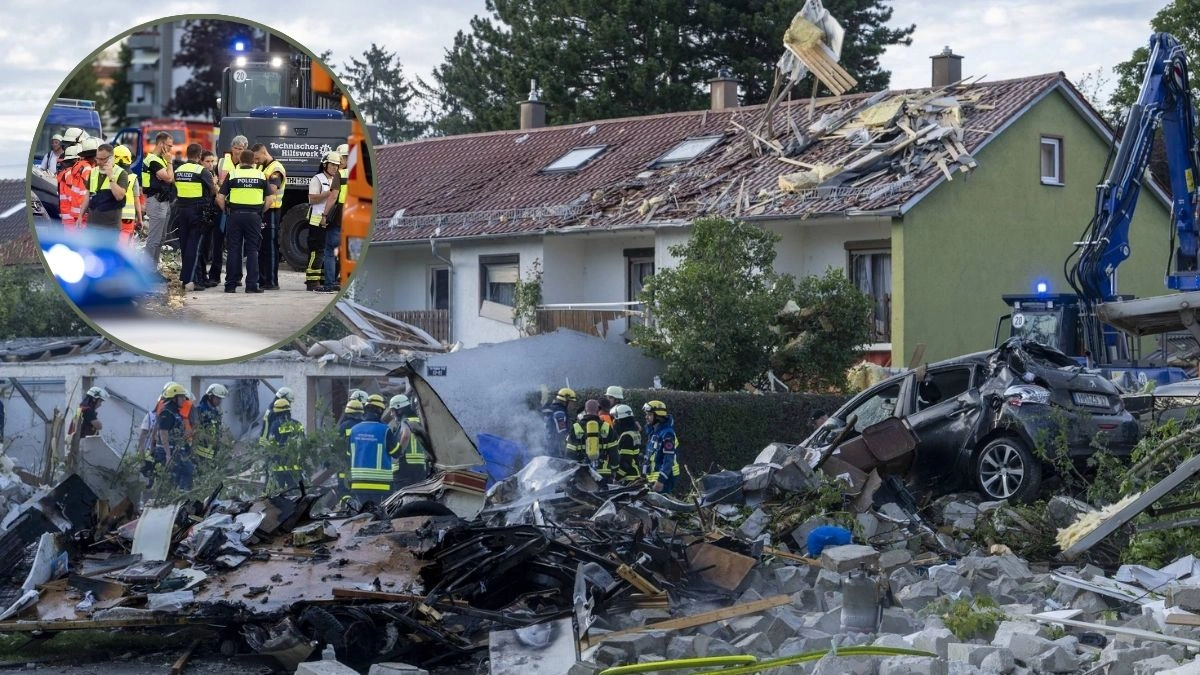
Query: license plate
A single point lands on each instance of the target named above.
(1090, 400)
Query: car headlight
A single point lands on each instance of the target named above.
(354, 246)
(1020, 394)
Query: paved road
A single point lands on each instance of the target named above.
(278, 315)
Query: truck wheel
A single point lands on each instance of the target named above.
(293, 237)
(1006, 470)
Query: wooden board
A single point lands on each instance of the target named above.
(720, 567)
(704, 618)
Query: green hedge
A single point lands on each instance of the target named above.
(727, 430)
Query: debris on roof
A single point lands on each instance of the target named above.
(42, 349)
(814, 44)
(385, 332)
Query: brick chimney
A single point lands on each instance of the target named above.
(724, 90)
(947, 68)
(533, 111)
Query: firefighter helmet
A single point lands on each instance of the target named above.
(281, 404)
(566, 394)
(375, 400)
(354, 406)
(621, 411)
(98, 393)
(219, 390)
(399, 401)
(285, 393)
(174, 389)
(658, 408)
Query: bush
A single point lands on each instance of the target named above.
(727, 430)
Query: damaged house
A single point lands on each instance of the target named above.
(881, 185)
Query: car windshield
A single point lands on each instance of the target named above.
(1039, 327)
(256, 88)
(876, 408)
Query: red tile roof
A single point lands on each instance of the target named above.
(17, 246)
(489, 183)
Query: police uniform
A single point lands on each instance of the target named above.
(268, 253)
(193, 184)
(226, 165)
(245, 191)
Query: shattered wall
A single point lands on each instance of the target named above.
(486, 387)
(1007, 231)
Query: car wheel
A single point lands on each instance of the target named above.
(1006, 470)
(293, 237)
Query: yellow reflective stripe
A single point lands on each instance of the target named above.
(206, 453)
(187, 181)
(276, 167)
(371, 486)
(246, 196)
(344, 173)
(147, 170)
(368, 474)
(129, 211)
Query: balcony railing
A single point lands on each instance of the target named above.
(436, 322)
(599, 319)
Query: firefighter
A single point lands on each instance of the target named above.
(592, 442)
(282, 432)
(245, 195)
(208, 422)
(661, 465)
(370, 462)
(408, 443)
(629, 444)
(320, 186)
(158, 184)
(612, 396)
(171, 447)
(359, 396)
(373, 411)
(108, 184)
(70, 200)
(284, 393)
(131, 212)
(86, 423)
(268, 254)
(558, 421)
(193, 187)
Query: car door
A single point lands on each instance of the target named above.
(943, 410)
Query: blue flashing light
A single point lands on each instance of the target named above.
(239, 46)
(1042, 287)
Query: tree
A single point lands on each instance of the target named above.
(712, 314)
(383, 94)
(30, 307)
(630, 57)
(120, 92)
(83, 84)
(204, 47)
(823, 332)
(1180, 18)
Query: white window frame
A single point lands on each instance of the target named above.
(586, 154)
(1057, 177)
(485, 262)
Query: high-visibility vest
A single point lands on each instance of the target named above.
(227, 164)
(150, 173)
(187, 182)
(210, 424)
(345, 174)
(314, 216)
(414, 453)
(629, 446)
(129, 210)
(370, 461)
(247, 187)
(269, 170)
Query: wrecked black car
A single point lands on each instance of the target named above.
(986, 420)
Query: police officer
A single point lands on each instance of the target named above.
(629, 443)
(158, 184)
(107, 187)
(228, 163)
(208, 422)
(557, 416)
(592, 441)
(282, 432)
(408, 442)
(193, 189)
(268, 254)
(662, 467)
(370, 461)
(245, 195)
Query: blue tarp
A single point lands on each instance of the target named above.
(502, 457)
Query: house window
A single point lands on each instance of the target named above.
(1052, 160)
(640, 265)
(439, 288)
(574, 159)
(498, 279)
(686, 151)
(871, 271)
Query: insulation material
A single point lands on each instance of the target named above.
(803, 180)
(1086, 522)
(883, 113)
(803, 34)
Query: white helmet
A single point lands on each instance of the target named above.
(331, 157)
(343, 150)
(621, 411)
(90, 144)
(98, 393)
(219, 390)
(73, 135)
(360, 396)
(286, 393)
(72, 151)
(615, 392)
(398, 401)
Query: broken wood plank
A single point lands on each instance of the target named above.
(181, 662)
(1118, 630)
(1183, 619)
(941, 164)
(638, 581)
(703, 618)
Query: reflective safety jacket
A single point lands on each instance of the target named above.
(629, 450)
(557, 426)
(661, 446)
(281, 429)
(370, 461)
(208, 419)
(592, 442)
(72, 188)
(275, 167)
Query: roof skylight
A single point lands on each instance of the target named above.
(687, 151)
(574, 159)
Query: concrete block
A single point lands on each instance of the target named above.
(1024, 646)
(916, 596)
(827, 581)
(398, 669)
(849, 557)
(912, 665)
(755, 524)
(583, 668)
(681, 647)
(892, 640)
(1055, 660)
(791, 579)
(809, 600)
(608, 655)
(1184, 597)
(794, 476)
(1154, 665)
(840, 665)
(757, 644)
(1190, 668)
(966, 652)
(901, 577)
(1007, 629)
(324, 668)
(720, 648)
(999, 661)
(897, 620)
(934, 640)
(891, 559)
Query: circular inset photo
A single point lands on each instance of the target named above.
(210, 200)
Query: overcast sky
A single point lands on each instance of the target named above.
(999, 39)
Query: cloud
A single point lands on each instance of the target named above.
(995, 16)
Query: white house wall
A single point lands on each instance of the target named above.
(395, 278)
(468, 326)
(811, 247)
(588, 268)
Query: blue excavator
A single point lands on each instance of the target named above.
(1096, 324)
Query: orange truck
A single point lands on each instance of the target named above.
(183, 133)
